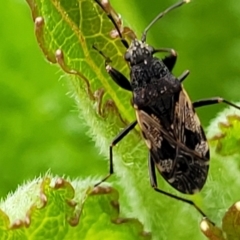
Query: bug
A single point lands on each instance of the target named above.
(172, 131)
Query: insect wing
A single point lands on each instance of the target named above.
(180, 152)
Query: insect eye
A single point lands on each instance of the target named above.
(127, 56)
(150, 50)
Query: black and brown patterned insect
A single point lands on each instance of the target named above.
(177, 144)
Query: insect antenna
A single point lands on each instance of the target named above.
(107, 59)
(105, 5)
(160, 15)
(122, 39)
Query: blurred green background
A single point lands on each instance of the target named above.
(40, 128)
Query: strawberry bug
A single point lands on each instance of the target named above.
(177, 144)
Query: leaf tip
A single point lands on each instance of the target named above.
(39, 22)
(204, 225)
(237, 205)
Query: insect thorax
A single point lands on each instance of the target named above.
(151, 81)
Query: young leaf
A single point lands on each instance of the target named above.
(53, 208)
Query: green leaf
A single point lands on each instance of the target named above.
(68, 36)
(224, 132)
(53, 208)
(66, 32)
(224, 137)
(230, 225)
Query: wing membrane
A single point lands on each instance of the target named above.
(179, 149)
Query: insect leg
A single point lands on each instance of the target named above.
(107, 8)
(169, 60)
(183, 76)
(153, 182)
(116, 140)
(116, 76)
(211, 101)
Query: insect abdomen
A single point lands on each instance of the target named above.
(181, 169)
